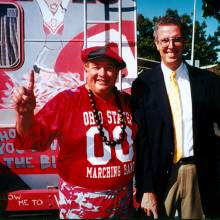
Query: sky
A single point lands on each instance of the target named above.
(155, 8)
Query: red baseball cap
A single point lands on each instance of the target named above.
(108, 51)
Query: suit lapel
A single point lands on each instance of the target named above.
(194, 94)
(159, 90)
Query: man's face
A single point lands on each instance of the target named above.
(101, 76)
(170, 45)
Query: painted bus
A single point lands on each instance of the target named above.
(48, 36)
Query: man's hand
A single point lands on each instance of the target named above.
(149, 204)
(24, 98)
(25, 103)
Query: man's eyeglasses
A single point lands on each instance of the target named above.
(175, 40)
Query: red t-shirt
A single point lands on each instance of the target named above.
(83, 159)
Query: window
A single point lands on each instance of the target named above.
(10, 35)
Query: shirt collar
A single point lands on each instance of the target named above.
(179, 71)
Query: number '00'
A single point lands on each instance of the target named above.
(94, 160)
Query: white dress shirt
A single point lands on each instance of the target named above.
(186, 105)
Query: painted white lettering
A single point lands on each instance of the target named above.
(19, 151)
(16, 197)
(12, 133)
(20, 162)
(118, 119)
(44, 161)
(92, 158)
(85, 118)
(91, 118)
(9, 148)
(109, 117)
(54, 145)
(129, 168)
(128, 118)
(4, 136)
(115, 171)
(23, 202)
(114, 118)
(114, 114)
(28, 162)
(53, 161)
(89, 172)
(108, 172)
(37, 202)
(103, 172)
(47, 162)
(100, 116)
(99, 172)
(122, 156)
(8, 161)
(10, 197)
(1, 148)
(94, 175)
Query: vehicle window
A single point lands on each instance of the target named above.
(10, 35)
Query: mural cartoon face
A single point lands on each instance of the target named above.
(53, 5)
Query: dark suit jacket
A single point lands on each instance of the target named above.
(154, 142)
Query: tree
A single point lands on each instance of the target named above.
(211, 8)
(145, 46)
(205, 49)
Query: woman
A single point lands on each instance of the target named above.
(95, 131)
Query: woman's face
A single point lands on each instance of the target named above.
(53, 5)
(101, 76)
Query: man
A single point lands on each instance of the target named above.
(95, 132)
(176, 143)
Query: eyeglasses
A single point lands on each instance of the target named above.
(175, 40)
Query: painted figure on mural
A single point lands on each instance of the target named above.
(53, 12)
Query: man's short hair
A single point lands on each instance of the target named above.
(166, 20)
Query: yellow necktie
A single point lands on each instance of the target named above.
(174, 97)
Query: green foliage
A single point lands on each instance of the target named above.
(145, 38)
(211, 8)
(205, 49)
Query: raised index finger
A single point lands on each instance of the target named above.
(30, 86)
